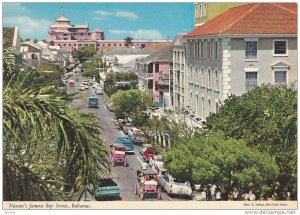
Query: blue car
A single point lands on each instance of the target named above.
(127, 142)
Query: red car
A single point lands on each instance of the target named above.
(71, 83)
(149, 153)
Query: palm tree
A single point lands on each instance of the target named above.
(47, 145)
(128, 41)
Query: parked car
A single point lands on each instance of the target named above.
(156, 162)
(138, 136)
(71, 83)
(127, 142)
(144, 147)
(149, 153)
(174, 186)
(144, 166)
(99, 91)
(90, 83)
(127, 127)
(107, 188)
(96, 85)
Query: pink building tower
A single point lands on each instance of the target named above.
(72, 37)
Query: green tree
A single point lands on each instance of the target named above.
(265, 119)
(131, 103)
(84, 53)
(90, 67)
(110, 86)
(35, 40)
(212, 159)
(46, 143)
(128, 41)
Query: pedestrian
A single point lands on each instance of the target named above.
(218, 196)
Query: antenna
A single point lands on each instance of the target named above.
(62, 10)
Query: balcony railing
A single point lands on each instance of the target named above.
(149, 75)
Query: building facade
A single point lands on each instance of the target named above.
(226, 56)
(179, 74)
(155, 76)
(72, 37)
(206, 11)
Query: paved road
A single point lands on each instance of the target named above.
(126, 175)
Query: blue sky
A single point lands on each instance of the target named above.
(117, 20)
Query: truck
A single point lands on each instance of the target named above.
(174, 186)
(127, 142)
(107, 188)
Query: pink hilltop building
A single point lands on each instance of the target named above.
(72, 37)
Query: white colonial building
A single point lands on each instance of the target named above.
(242, 48)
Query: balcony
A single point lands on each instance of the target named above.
(149, 76)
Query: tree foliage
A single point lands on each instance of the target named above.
(84, 53)
(131, 103)
(128, 41)
(212, 159)
(265, 119)
(90, 67)
(46, 143)
(110, 86)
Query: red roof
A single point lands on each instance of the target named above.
(256, 18)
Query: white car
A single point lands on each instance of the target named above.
(144, 166)
(84, 82)
(131, 131)
(95, 85)
(81, 87)
(156, 163)
(99, 91)
(174, 186)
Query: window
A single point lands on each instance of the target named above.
(216, 50)
(202, 105)
(280, 47)
(251, 80)
(208, 50)
(190, 48)
(217, 81)
(209, 80)
(202, 50)
(280, 77)
(202, 77)
(251, 50)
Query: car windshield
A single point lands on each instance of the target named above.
(94, 100)
(179, 181)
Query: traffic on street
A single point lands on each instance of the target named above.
(126, 177)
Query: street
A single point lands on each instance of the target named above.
(126, 175)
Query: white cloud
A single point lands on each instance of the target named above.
(103, 13)
(147, 34)
(127, 14)
(117, 13)
(28, 26)
(101, 18)
(14, 8)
